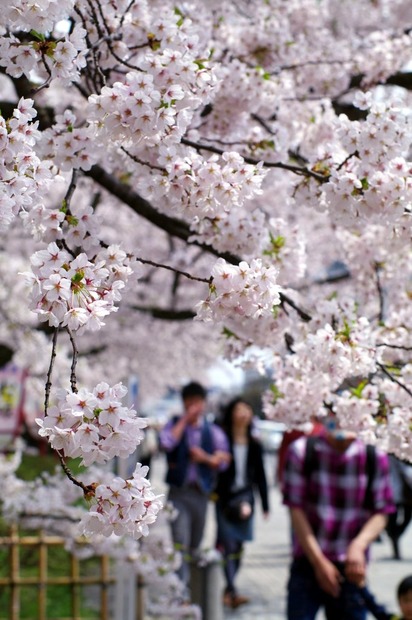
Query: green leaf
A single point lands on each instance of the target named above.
(179, 13)
(344, 334)
(276, 244)
(38, 35)
(277, 394)
(200, 63)
(357, 391)
(365, 183)
(275, 311)
(78, 277)
(229, 334)
(72, 220)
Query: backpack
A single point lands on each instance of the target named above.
(309, 466)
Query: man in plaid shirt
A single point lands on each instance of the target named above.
(334, 521)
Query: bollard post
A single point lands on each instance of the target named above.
(206, 585)
(140, 599)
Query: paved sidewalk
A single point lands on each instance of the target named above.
(264, 571)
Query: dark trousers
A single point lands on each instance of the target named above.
(305, 596)
(397, 523)
(189, 524)
(232, 555)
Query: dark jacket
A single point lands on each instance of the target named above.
(178, 461)
(255, 475)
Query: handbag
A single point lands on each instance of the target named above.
(239, 506)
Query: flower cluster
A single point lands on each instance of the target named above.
(245, 290)
(242, 234)
(94, 425)
(37, 15)
(157, 102)
(200, 188)
(25, 177)
(68, 146)
(374, 183)
(76, 292)
(123, 507)
(62, 59)
(321, 362)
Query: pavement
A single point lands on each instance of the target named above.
(264, 571)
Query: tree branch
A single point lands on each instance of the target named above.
(166, 314)
(299, 170)
(380, 293)
(50, 371)
(138, 204)
(284, 299)
(392, 378)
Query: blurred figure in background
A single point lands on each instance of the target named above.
(401, 481)
(149, 447)
(314, 427)
(235, 491)
(196, 450)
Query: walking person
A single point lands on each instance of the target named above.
(235, 492)
(196, 450)
(339, 498)
(398, 521)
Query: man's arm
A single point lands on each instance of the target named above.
(327, 575)
(171, 433)
(355, 565)
(220, 458)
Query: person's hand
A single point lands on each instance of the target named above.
(222, 456)
(355, 564)
(198, 455)
(328, 577)
(192, 413)
(266, 516)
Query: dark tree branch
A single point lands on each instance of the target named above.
(142, 207)
(299, 170)
(400, 78)
(176, 271)
(380, 293)
(394, 379)
(50, 371)
(393, 346)
(165, 314)
(73, 378)
(284, 299)
(88, 490)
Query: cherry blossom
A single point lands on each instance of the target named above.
(244, 166)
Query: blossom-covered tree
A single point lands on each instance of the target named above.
(185, 179)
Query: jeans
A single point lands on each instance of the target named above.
(305, 596)
(188, 526)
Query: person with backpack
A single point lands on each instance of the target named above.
(339, 495)
(196, 451)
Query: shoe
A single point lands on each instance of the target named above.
(238, 600)
(227, 599)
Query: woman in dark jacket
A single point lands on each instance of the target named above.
(235, 491)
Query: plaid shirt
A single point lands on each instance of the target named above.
(333, 496)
